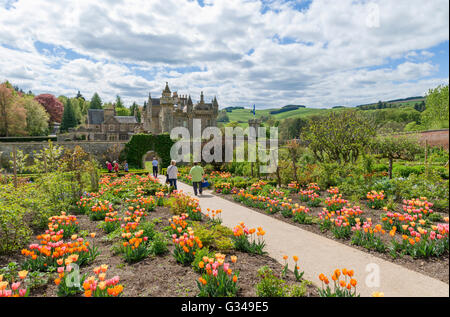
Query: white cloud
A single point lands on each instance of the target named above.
(323, 55)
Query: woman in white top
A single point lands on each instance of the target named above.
(172, 173)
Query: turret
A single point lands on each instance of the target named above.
(215, 105)
(189, 104)
(202, 99)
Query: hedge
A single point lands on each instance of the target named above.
(25, 139)
(142, 143)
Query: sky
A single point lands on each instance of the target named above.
(319, 53)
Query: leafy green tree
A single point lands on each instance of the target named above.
(292, 128)
(121, 110)
(339, 136)
(223, 117)
(12, 113)
(69, 119)
(436, 114)
(96, 102)
(396, 147)
(135, 111)
(21, 160)
(47, 159)
(119, 103)
(232, 124)
(37, 117)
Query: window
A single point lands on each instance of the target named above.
(111, 127)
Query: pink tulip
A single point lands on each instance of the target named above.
(15, 286)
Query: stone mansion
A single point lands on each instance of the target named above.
(159, 115)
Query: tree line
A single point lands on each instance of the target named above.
(26, 114)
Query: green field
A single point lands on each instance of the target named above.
(243, 115)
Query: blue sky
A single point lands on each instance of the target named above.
(319, 53)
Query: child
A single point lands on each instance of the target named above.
(125, 166)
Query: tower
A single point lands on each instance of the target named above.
(166, 110)
(148, 114)
(202, 99)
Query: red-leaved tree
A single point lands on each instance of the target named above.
(52, 105)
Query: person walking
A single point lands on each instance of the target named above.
(197, 173)
(172, 174)
(116, 167)
(155, 167)
(109, 166)
(125, 166)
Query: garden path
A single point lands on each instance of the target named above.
(318, 254)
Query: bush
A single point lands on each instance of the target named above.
(141, 143)
(272, 286)
(405, 171)
(14, 231)
(158, 244)
(216, 237)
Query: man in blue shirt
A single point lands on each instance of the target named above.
(155, 167)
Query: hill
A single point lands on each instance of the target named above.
(242, 115)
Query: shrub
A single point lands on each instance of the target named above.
(158, 244)
(272, 286)
(216, 236)
(405, 171)
(14, 231)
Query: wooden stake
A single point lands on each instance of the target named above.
(45, 163)
(426, 158)
(15, 166)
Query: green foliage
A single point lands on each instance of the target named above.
(215, 237)
(272, 286)
(405, 171)
(21, 160)
(400, 147)
(140, 144)
(339, 137)
(199, 257)
(37, 117)
(96, 102)
(158, 244)
(33, 279)
(436, 114)
(14, 231)
(69, 119)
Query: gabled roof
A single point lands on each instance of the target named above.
(126, 119)
(96, 116)
(156, 101)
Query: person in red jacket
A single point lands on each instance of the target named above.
(109, 166)
(116, 167)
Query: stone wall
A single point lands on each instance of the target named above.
(436, 138)
(96, 148)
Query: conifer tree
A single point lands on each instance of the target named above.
(69, 119)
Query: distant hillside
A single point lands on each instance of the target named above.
(410, 101)
(286, 108)
(242, 115)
